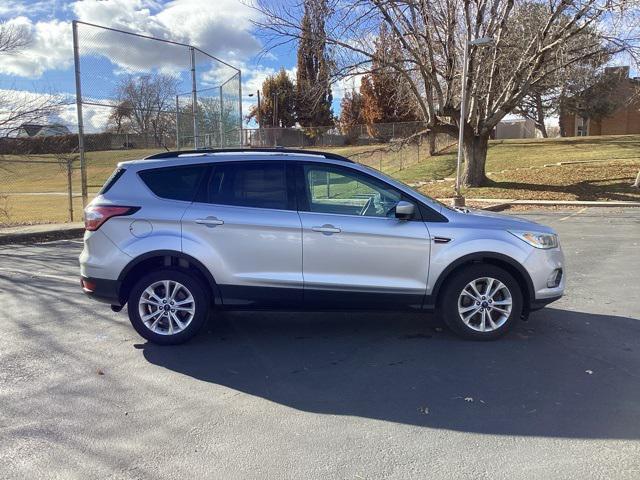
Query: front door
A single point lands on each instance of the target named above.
(246, 230)
(355, 252)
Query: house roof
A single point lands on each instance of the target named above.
(34, 129)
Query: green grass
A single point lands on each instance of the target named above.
(616, 161)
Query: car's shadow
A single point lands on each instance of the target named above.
(562, 374)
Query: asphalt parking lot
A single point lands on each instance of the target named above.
(324, 396)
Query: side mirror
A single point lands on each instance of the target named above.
(405, 210)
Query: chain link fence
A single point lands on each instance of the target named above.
(134, 95)
(388, 147)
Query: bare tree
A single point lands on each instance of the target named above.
(13, 38)
(148, 101)
(18, 107)
(433, 35)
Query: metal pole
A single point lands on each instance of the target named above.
(70, 187)
(275, 109)
(177, 123)
(221, 116)
(83, 165)
(259, 120)
(459, 199)
(240, 105)
(194, 98)
(275, 119)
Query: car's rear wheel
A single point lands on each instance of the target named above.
(481, 302)
(167, 307)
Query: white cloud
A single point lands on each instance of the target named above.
(221, 28)
(50, 48)
(343, 85)
(14, 8)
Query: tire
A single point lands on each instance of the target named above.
(169, 326)
(506, 298)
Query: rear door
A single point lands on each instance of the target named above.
(355, 252)
(245, 228)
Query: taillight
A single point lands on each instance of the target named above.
(96, 215)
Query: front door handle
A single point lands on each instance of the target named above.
(209, 221)
(326, 229)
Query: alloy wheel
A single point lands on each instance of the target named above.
(166, 307)
(485, 304)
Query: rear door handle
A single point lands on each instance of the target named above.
(327, 229)
(209, 221)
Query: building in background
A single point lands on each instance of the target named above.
(624, 120)
(35, 130)
(515, 128)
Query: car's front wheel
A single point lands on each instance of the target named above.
(167, 307)
(481, 302)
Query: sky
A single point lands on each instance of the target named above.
(221, 28)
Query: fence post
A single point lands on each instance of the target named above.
(177, 123)
(70, 187)
(240, 102)
(194, 98)
(221, 116)
(83, 166)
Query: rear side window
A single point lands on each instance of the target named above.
(174, 183)
(257, 185)
(111, 181)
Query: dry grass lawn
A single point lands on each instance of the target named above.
(615, 161)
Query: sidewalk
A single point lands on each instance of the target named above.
(40, 233)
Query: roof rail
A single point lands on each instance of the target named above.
(330, 156)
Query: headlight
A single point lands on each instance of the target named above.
(537, 240)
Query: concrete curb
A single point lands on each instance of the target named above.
(497, 204)
(40, 233)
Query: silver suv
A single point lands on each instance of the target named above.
(180, 234)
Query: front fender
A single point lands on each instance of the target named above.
(489, 247)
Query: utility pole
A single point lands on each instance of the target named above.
(458, 200)
(194, 98)
(275, 109)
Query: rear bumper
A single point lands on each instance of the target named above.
(102, 290)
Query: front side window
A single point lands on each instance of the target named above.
(341, 191)
(257, 185)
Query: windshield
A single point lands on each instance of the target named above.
(395, 180)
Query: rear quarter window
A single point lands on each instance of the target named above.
(174, 183)
(111, 181)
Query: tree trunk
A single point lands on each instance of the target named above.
(539, 122)
(636, 184)
(542, 128)
(431, 142)
(475, 148)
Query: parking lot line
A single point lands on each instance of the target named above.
(573, 214)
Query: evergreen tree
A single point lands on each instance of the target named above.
(313, 88)
(386, 97)
(277, 91)
(351, 115)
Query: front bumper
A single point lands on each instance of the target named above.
(541, 265)
(543, 302)
(102, 290)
